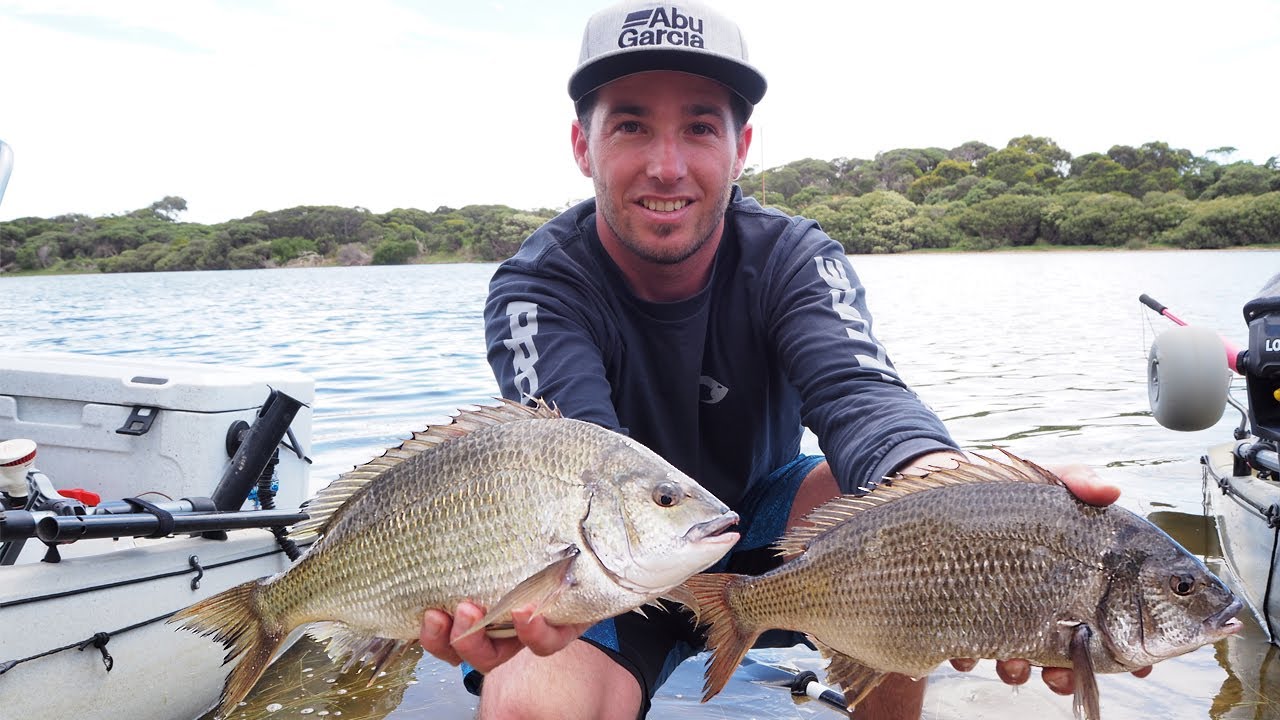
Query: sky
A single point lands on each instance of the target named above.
(239, 106)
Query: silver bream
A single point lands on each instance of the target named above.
(505, 506)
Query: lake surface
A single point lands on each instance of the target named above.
(1043, 354)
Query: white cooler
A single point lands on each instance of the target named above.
(126, 426)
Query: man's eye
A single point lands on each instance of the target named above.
(629, 126)
(702, 129)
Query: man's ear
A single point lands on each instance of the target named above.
(744, 146)
(581, 152)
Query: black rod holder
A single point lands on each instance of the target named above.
(260, 442)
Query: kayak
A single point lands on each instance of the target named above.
(129, 489)
(1189, 372)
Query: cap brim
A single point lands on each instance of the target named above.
(734, 74)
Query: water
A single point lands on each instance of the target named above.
(1040, 353)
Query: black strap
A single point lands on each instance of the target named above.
(164, 518)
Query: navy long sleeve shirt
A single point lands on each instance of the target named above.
(720, 384)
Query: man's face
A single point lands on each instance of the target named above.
(663, 152)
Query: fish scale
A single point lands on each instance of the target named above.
(986, 560)
(505, 507)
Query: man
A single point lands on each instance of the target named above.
(706, 327)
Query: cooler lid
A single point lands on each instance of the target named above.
(129, 380)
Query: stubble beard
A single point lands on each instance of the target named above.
(629, 236)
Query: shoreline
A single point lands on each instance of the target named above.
(1261, 247)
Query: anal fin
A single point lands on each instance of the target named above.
(342, 642)
(854, 678)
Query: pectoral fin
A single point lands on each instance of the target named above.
(540, 589)
(1086, 695)
(854, 678)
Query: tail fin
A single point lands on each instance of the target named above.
(727, 638)
(233, 618)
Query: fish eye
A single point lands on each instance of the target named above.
(1182, 584)
(667, 494)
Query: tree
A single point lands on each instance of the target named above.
(1098, 173)
(169, 207)
(285, 249)
(1112, 219)
(1028, 159)
(1004, 220)
(1241, 179)
(395, 252)
(1225, 152)
(971, 152)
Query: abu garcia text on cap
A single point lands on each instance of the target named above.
(642, 28)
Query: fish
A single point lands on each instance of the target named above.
(989, 559)
(504, 506)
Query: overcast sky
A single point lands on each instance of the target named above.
(244, 106)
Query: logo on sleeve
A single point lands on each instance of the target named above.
(843, 301)
(524, 354)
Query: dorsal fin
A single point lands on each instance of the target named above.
(840, 509)
(322, 507)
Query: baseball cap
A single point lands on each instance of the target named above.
(640, 35)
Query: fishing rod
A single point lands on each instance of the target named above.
(1233, 352)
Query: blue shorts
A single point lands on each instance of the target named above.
(651, 647)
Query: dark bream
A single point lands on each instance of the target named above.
(986, 560)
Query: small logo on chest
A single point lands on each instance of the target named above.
(710, 391)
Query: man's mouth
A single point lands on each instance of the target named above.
(663, 205)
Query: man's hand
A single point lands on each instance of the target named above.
(1085, 484)
(441, 636)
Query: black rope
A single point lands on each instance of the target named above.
(1268, 513)
(1266, 596)
(98, 640)
(131, 581)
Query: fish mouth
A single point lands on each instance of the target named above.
(1224, 622)
(714, 530)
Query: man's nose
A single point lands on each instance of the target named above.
(667, 162)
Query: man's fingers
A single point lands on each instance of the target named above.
(541, 637)
(964, 664)
(443, 636)
(434, 636)
(1085, 484)
(1013, 672)
(478, 649)
(1060, 680)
